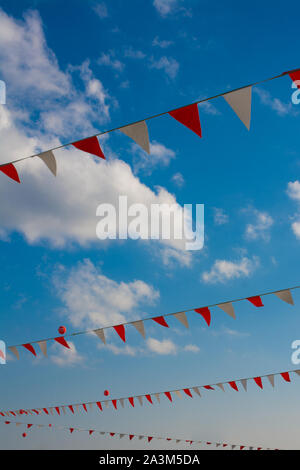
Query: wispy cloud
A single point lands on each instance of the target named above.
(220, 216)
(64, 357)
(162, 43)
(169, 65)
(178, 179)
(223, 270)
(109, 60)
(260, 228)
(101, 10)
(280, 108)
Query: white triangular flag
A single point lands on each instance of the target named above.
(221, 386)
(101, 335)
(140, 399)
(244, 383)
(233, 446)
(64, 409)
(141, 437)
(178, 440)
(91, 406)
(51, 410)
(218, 444)
(121, 435)
(14, 350)
(297, 371)
(77, 407)
(139, 133)
(122, 402)
(106, 403)
(227, 308)
(240, 102)
(43, 347)
(285, 295)
(157, 397)
(178, 393)
(181, 316)
(271, 379)
(196, 390)
(18, 424)
(49, 160)
(139, 325)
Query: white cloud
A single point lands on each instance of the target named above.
(169, 65)
(134, 53)
(260, 228)
(91, 299)
(101, 10)
(163, 44)
(293, 190)
(220, 216)
(282, 109)
(126, 350)
(110, 61)
(296, 229)
(191, 348)
(164, 347)
(209, 108)
(223, 270)
(160, 156)
(165, 7)
(64, 357)
(178, 179)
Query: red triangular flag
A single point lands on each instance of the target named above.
(205, 312)
(71, 430)
(91, 431)
(99, 405)
(258, 381)
(10, 171)
(90, 145)
(168, 395)
(189, 117)
(114, 402)
(112, 434)
(61, 340)
(71, 408)
(208, 387)
(233, 385)
(131, 436)
(225, 445)
(295, 76)
(150, 438)
(285, 376)
(131, 401)
(57, 409)
(188, 392)
(149, 399)
(256, 300)
(242, 447)
(46, 411)
(120, 329)
(161, 321)
(29, 426)
(29, 348)
(84, 407)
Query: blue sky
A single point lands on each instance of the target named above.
(76, 68)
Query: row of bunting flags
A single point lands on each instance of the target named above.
(153, 397)
(205, 312)
(130, 437)
(239, 100)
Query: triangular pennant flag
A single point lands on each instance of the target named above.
(30, 348)
(221, 386)
(131, 401)
(98, 403)
(114, 402)
(285, 295)
(295, 76)
(161, 321)
(208, 387)
(29, 425)
(240, 102)
(122, 402)
(140, 399)
(271, 379)
(64, 410)
(149, 399)
(57, 410)
(139, 325)
(168, 395)
(188, 392)
(107, 403)
(14, 350)
(120, 329)
(61, 340)
(131, 436)
(141, 437)
(178, 393)
(91, 406)
(242, 447)
(71, 408)
(121, 435)
(49, 160)
(244, 384)
(297, 372)
(46, 411)
(181, 316)
(43, 347)
(258, 381)
(10, 171)
(100, 334)
(233, 385)
(139, 133)
(256, 301)
(71, 430)
(90, 145)
(196, 390)
(233, 446)
(227, 307)
(157, 397)
(205, 312)
(150, 438)
(189, 117)
(285, 376)
(112, 434)
(91, 432)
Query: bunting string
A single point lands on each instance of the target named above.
(154, 397)
(130, 436)
(239, 99)
(227, 306)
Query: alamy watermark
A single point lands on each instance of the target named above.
(155, 222)
(2, 353)
(296, 93)
(2, 92)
